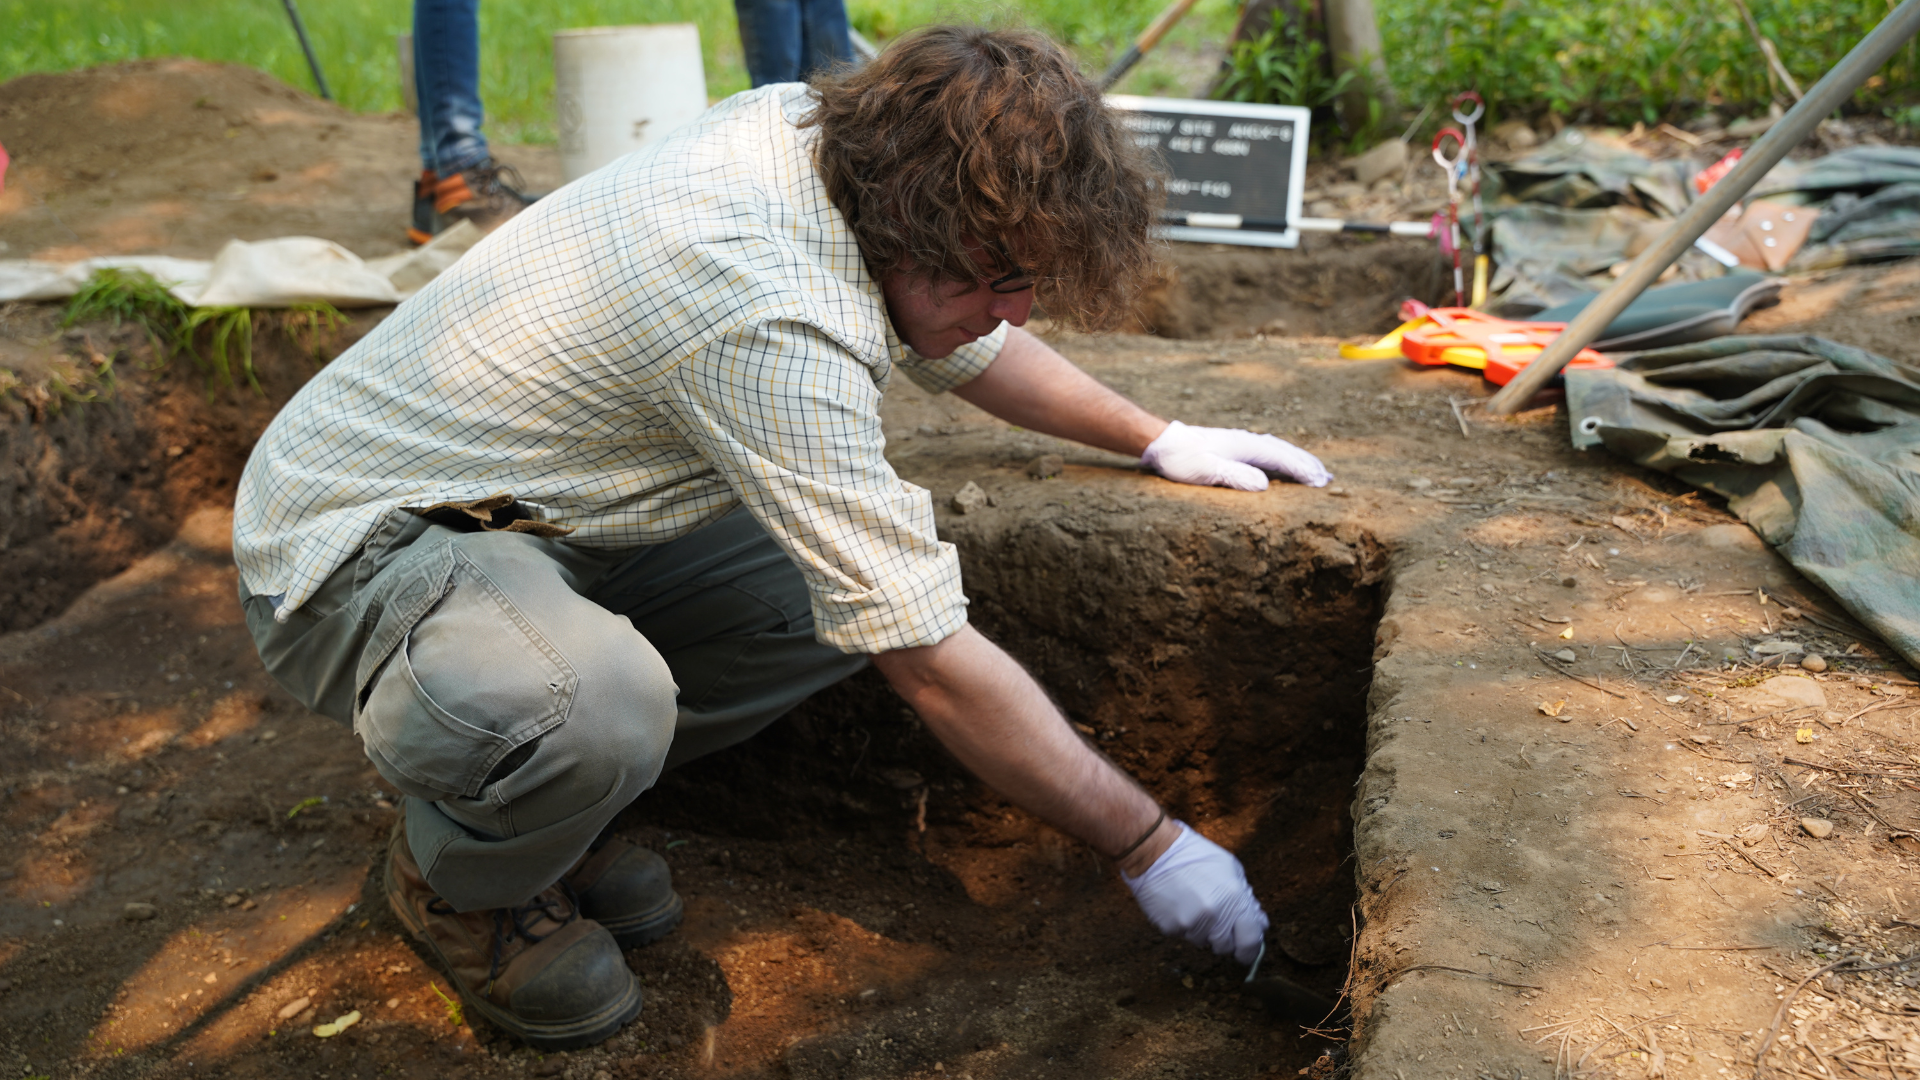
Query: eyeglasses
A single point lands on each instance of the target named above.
(1015, 281)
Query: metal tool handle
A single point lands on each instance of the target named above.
(1827, 95)
(306, 46)
(1148, 38)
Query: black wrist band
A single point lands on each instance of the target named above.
(1144, 837)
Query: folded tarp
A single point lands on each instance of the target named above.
(1546, 256)
(258, 274)
(1676, 314)
(1588, 169)
(1813, 443)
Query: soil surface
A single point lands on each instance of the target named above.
(1507, 863)
(176, 157)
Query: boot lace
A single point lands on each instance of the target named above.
(512, 922)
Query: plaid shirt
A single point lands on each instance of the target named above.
(688, 329)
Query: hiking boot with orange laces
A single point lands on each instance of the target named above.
(540, 971)
(481, 195)
(422, 228)
(627, 889)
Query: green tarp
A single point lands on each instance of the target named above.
(1813, 443)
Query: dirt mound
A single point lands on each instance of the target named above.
(177, 157)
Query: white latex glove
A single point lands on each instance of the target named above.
(1197, 889)
(1229, 457)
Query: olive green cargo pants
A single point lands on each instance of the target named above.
(520, 691)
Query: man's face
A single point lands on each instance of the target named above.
(935, 318)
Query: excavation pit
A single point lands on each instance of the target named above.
(862, 894)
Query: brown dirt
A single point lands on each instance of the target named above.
(1274, 666)
(180, 156)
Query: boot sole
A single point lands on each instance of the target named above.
(571, 1035)
(648, 927)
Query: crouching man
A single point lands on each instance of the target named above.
(609, 494)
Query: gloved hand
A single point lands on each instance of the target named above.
(1197, 889)
(1229, 457)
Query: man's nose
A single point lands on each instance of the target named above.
(1012, 308)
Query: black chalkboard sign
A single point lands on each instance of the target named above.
(1234, 171)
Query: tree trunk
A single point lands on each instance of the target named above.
(1353, 36)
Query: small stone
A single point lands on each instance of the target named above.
(552, 1066)
(1384, 161)
(1813, 662)
(1818, 828)
(232, 899)
(969, 498)
(1517, 134)
(1046, 466)
(294, 1008)
(1419, 483)
(1566, 656)
(1568, 583)
(602, 1074)
(1336, 491)
(1798, 690)
(269, 735)
(138, 912)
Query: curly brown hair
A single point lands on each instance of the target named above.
(959, 136)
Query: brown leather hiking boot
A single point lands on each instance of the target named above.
(627, 889)
(539, 971)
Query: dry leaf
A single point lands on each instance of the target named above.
(1804, 735)
(1753, 834)
(1567, 633)
(1552, 708)
(1736, 779)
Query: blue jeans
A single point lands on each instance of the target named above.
(789, 40)
(446, 77)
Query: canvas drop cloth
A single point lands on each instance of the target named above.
(1813, 443)
(257, 274)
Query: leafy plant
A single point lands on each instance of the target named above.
(1624, 61)
(128, 296)
(232, 338)
(1287, 65)
(455, 1014)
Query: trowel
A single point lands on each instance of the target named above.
(1284, 997)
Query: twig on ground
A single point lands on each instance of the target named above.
(1762, 867)
(1617, 1032)
(1892, 829)
(1460, 418)
(1391, 977)
(1576, 678)
(1720, 948)
(1875, 707)
(1848, 772)
(1846, 965)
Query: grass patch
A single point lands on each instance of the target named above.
(1622, 61)
(355, 40)
(172, 327)
(1613, 61)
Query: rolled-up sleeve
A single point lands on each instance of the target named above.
(789, 417)
(958, 368)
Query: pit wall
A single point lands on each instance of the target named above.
(104, 453)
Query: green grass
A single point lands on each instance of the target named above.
(355, 40)
(1606, 60)
(1621, 61)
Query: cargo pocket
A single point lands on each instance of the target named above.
(470, 682)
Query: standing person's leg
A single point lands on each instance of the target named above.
(446, 66)
(770, 36)
(465, 180)
(823, 32)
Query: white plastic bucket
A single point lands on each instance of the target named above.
(618, 88)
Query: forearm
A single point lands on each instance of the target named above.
(1031, 385)
(991, 715)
